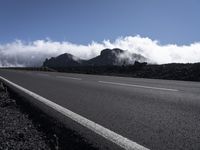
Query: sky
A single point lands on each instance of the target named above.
(166, 23)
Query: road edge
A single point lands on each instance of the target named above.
(119, 140)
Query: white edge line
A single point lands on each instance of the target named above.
(139, 86)
(64, 77)
(106, 133)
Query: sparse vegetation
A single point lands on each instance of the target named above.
(175, 71)
(187, 72)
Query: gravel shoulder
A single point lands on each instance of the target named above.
(17, 130)
(24, 127)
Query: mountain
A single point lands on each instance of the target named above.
(116, 57)
(107, 57)
(63, 60)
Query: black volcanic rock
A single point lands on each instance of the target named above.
(63, 60)
(108, 57)
(117, 57)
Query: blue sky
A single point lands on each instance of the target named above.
(83, 21)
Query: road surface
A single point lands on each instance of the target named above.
(158, 114)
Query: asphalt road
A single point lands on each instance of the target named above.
(158, 114)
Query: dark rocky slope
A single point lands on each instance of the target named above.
(108, 57)
(115, 57)
(62, 61)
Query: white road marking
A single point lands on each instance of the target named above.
(138, 86)
(65, 77)
(104, 132)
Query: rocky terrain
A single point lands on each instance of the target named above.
(107, 57)
(17, 131)
(120, 63)
(23, 127)
(114, 57)
(174, 71)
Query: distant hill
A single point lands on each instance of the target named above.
(115, 57)
(108, 57)
(62, 61)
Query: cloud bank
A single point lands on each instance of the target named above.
(20, 53)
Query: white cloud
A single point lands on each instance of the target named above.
(21, 53)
